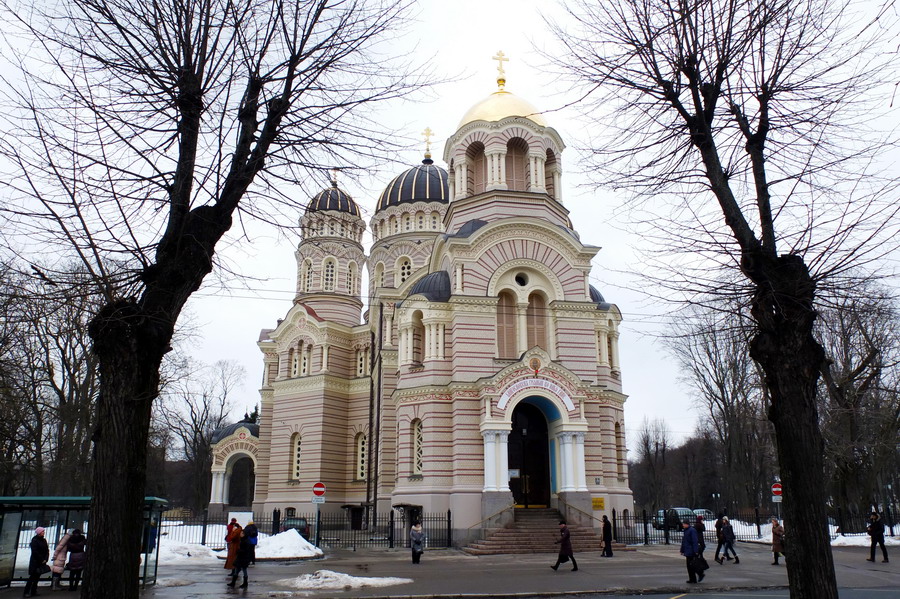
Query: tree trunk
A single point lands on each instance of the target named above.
(130, 347)
(791, 359)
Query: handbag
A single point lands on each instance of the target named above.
(43, 569)
(700, 564)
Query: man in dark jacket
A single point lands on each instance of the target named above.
(876, 531)
(37, 565)
(690, 549)
(720, 540)
(565, 548)
(607, 537)
(252, 533)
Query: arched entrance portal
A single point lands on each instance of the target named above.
(529, 456)
(241, 483)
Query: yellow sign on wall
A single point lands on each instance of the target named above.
(598, 503)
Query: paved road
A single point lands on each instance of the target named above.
(654, 571)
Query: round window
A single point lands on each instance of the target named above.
(521, 279)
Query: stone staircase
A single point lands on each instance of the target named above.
(534, 531)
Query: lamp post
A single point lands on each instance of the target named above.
(716, 497)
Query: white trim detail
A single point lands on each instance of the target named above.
(539, 384)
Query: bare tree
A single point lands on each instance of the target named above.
(140, 131)
(650, 473)
(192, 411)
(750, 116)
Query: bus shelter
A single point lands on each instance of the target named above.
(19, 516)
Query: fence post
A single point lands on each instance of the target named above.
(646, 532)
(449, 531)
(276, 521)
(841, 520)
(758, 527)
(887, 513)
(615, 527)
(205, 524)
(318, 526)
(391, 530)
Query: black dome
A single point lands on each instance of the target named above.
(423, 183)
(597, 298)
(221, 433)
(435, 286)
(333, 199)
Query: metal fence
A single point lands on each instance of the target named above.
(388, 530)
(641, 528)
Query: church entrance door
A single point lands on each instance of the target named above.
(529, 457)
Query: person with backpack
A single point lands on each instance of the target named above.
(875, 529)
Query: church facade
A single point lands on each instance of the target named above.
(484, 374)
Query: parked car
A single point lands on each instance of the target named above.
(708, 516)
(298, 524)
(672, 517)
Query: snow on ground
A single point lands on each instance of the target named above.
(330, 580)
(289, 543)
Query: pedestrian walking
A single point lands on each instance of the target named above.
(58, 566)
(242, 555)
(875, 529)
(690, 549)
(252, 533)
(777, 540)
(417, 542)
(607, 537)
(233, 541)
(700, 527)
(77, 558)
(565, 547)
(37, 564)
(728, 539)
(720, 540)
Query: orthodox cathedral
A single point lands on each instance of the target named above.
(484, 373)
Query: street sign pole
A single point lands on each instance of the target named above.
(318, 499)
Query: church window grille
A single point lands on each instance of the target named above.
(294, 361)
(321, 227)
(379, 274)
(341, 229)
(418, 447)
(361, 362)
(506, 326)
(351, 278)
(405, 269)
(536, 319)
(620, 451)
(395, 225)
(420, 219)
(305, 358)
(295, 456)
(609, 353)
(477, 171)
(362, 456)
(307, 276)
(550, 167)
(331, 229)
(418, 338)
(328, 276)
(516, 165)
(407, 222)
(434, 221)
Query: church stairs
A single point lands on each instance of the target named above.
(535, 531)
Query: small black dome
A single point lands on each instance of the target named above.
(468, 228)
(597, 298)
(435, 286)
(221, 433)
(333, 199)
(423, 183)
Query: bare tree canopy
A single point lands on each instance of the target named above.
(140, 131)
(755, 121)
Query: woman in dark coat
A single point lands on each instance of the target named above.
(565, 547)
(242, 557)
(37, 565)
(607, 537)
(234, 542)
(77, 558)
(700, 527)
(777, 539)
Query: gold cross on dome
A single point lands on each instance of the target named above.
(500, 57)
(427, 133)
(334, 174)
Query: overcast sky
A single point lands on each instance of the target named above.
(458, 39)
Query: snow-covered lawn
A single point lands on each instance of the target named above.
(329, 580)
(285, 545)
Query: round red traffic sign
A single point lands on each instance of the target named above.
(776, 489)
(319, 489)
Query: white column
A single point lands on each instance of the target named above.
(459, 278)
(614, 358)
(503, 461)
(557, 186)
(388, 328)
(490, 462)
(324, 367)
(214, 488)
(604, 348)
(580, 470)
(401, 346)
(430, 341)
(565, 457)
(522, 329)
(463, 180)
(442, 328)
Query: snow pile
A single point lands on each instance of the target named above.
(171, 552)
(328, 580)
(285, 545)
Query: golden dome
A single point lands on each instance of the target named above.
(500, 105)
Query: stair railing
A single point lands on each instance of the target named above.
(494, 515)
(580, 511)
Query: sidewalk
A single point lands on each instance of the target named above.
(450, 573)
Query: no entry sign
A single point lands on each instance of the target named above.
(319, 489)
(776, 490)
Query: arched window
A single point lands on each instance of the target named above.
(418, 338)
(506, 326)
(295, 456)
(418, 446)
(620, 451)
(536, 319)
(407, 222)
(477, 171)
(294, 361)
(351, 278)
(305, 359)
(404, 269)
(331, 228)
(550, 167)
(420, 221)
(328, 275)
(379, 274)
(435, 219)
(307, 276)
(362, 456)
(517, 165)
(395, 226)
